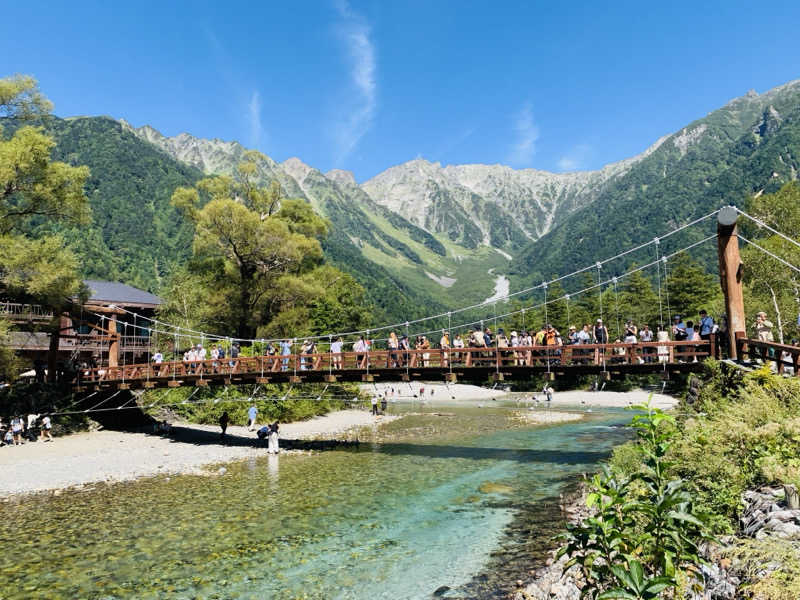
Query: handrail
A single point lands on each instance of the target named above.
(27, 311)
(605, 355)
(769, 352)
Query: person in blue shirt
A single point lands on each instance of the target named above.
(706, 326)
(678, 329)
(252, 413)
(286, 350)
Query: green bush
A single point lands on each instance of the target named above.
(645, 533)
(743, 432)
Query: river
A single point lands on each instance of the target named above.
(459, 503)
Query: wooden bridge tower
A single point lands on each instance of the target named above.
(730, 275)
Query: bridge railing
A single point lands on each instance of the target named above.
(428, 360)
(783, 355)
(15, 311)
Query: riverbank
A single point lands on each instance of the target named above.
(440, 393)
(109, 456)
(610, 399)
(433, 392)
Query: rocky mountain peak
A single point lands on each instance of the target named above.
(296, 168)
(341, 177)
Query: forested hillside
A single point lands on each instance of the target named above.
(135, 236)
(750, 146)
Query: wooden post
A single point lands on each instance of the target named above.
(730, 275)
(52, 352)
(113, 346)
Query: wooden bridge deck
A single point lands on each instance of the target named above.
(463, 364)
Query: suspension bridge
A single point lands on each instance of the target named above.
(473, 364)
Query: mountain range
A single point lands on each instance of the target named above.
(421, 236)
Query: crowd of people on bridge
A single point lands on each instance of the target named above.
(547, 335)
(517, 347)
(399, 347)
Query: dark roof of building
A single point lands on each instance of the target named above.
(119, 293)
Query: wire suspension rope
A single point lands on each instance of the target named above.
(616, 306)
(178, 329)
(765, 251)
(658, 272)
(761, 223)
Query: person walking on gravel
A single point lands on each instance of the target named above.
(47, 425)
(223, 423)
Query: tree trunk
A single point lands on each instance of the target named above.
(246, 276)
(777, 313)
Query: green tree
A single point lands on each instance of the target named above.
(257, 267)
(35, 188)
(690, 286)
(774, 287)
(8, 360)
(587, 302)
(31, 184)
(638, 301)
(557, 307)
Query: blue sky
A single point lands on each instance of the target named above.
(364, 85)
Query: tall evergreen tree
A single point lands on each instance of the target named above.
(690, 287)
(638, 301)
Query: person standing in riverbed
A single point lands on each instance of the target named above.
(252, 413)
(375, 405)
(223, 423)
(273, 439)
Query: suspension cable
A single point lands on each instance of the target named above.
(616, 306)
(658, 272)
(463, 309)
(765, 251)
(761, 223)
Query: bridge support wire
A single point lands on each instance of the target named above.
(450, 343)
(616, 305)
(102, 401)
(656, 242)
(124, 360)
(547, 322)
(406, 355)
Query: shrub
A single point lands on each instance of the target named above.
(645, 530)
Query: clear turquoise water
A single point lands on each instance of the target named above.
(438, 501)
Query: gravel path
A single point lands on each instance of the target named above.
(96, 456)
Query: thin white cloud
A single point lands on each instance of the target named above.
(254, 119)
(567, 163)
(575, 159)
(356, 116)
(527, 134)
(243, 102)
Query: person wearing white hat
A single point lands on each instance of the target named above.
(600, 332)
(763, 327)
